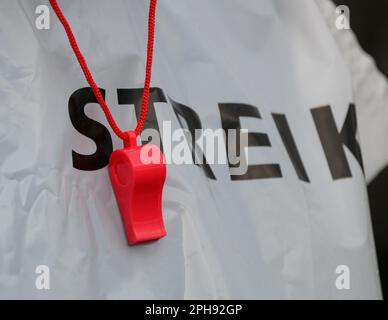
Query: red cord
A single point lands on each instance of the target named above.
(92, 83)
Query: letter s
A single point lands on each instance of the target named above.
(91, 129)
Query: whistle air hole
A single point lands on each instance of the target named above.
(122, 170)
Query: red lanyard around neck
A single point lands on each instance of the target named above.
(150, 45)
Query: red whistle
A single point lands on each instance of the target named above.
(137, 180)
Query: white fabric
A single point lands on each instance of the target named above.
(370, 89)
(269, 238)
